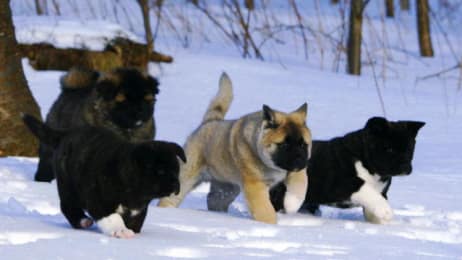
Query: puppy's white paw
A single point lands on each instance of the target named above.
(123, 233)
(292, 203)
(379, 215)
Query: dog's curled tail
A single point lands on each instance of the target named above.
(44, 133)
(78, 78)
(220, 103)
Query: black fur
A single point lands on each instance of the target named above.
(97, 171)
(291, 154)
(383, 147)
(116, 101)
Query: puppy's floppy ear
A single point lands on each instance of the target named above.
(414, 127)
(106, 88)
(377, 125)
(154, 84)
(269, 116)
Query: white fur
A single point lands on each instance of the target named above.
(134, 212)
(113, 225)
(376, 207)
(121, 210)
(292, 202)
(371, 179)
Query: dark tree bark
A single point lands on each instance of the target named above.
(15, 96)
(249, 4)
(144, 5)
(404, 5)
(355, 36)
(334, 2)
(423, 27)
(38, 7)
(389, 7)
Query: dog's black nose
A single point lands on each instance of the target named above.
(406, 169)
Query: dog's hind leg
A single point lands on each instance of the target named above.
(221, 195)
(45, 170)
(71, 208)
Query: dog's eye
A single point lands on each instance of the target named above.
(120, 98)
(149, 98)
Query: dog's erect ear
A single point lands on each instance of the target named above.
(414, 127)
(302, 110)
(154, 84)
(377, 125)
(106, 89)
(269, 116)
(178, 150)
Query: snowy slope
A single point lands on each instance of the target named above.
(428, 212)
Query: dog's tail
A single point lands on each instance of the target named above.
(44, 133)
(220, 103)
(78, 78)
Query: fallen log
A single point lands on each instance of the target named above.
(120, 52)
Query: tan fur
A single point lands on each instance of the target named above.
(78, 78)
(239, 151)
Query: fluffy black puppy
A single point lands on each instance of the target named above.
(112, 179)
(121, 101)
(356, 169)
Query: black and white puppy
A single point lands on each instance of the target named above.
(110, 178)
(356, 169)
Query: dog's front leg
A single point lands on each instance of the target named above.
(114, 225)
(297, 184)
(258, 201)
(375, 207)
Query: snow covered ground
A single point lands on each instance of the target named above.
(428, 211)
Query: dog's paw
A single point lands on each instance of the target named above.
(123, 233)
(292, 203)
(379, 215)
(86, 223)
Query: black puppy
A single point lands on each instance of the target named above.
(112, 179)
(121, 101)
(356, 169)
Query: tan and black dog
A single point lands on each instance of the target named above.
(253, 153)
(121, 101)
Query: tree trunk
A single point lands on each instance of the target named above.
(334, 2)
(423, 27)
(404, 5)
(15, 96)
(38, 7)
(144, 5)
(355, 37)
(389, 6)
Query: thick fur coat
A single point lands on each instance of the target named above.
(252, 153)
(357, 169)
(111, 179)
(121, 101)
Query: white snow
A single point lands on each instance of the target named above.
(427, 220)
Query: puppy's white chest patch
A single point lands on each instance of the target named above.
(372, 180)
